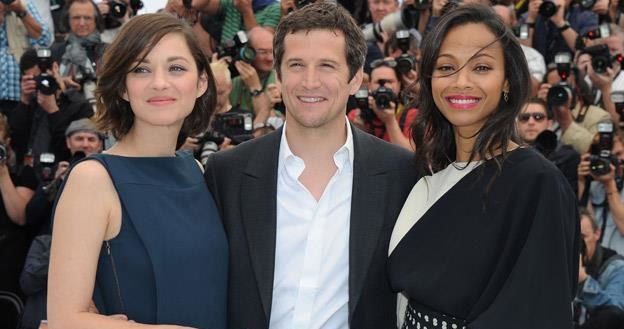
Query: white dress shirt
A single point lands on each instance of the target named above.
(311, 276)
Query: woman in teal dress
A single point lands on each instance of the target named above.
(136, 231)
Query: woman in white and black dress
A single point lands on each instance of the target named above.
(488, 238)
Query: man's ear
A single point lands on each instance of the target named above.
(356, 81)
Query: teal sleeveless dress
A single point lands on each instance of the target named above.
(168, 265)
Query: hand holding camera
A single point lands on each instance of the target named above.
(249, 75)
(15, 6)
(534, 10)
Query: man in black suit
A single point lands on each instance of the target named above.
(309, 209)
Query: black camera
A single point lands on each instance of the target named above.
(136, 5)
(117, 9)
(600, 158)
(560, 93)
(547, 9)
(46, 165)
(383, 95)
(601, 58)
(405, 62)
(237, 48)
(46, 83)
(361, 99)
(236, 126)
(602, 31)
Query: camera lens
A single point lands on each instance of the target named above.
(117, 9)
(404, 64)
(46, 84)
(600, 64)
(557, 95)
(247, 54)
(599, 166)
(547, 9)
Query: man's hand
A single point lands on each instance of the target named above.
(533, 11)
(286, 6)
(47, 103)
(28, 88)
(61, 169)
(558, 18)
(582, 170)
(176, 7)
(249, 75)
(542, 92)
(274, 93)
(602, 81)
(190, 144)
(606, 179)
(436, 7)
(386, 115)
(582, 273)
(601, 7)
(17, 7)
(104, 8)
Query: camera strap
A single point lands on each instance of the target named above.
(582, 113)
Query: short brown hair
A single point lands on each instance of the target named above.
(135, 40)
(323, 15)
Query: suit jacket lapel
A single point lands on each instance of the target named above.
(258, 209)
(367, 212)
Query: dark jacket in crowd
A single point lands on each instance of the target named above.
(33, 128)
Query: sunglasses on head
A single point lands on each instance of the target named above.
(383, 62)
(524, 117)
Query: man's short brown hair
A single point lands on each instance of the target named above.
(323, 15)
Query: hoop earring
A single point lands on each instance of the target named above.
(506, 96)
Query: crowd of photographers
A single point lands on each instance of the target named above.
(48, 69)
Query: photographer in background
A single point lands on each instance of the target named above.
(46, 108)
(381, 111)
(570, 98)
(83, 47)
(606, 79)
(230, 126)
(20, 27)
(554, 26)
(115, 13)
(534, 123)
(600, 297)
(600, 178)
(17, 187)
(249, 89)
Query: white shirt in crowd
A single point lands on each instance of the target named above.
(311, 276)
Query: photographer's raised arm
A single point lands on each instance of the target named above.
(14, 197)
(616, 207)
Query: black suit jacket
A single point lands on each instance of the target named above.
(244, 184)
